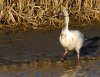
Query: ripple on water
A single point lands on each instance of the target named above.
(52, 69)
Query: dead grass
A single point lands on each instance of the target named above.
(39, 13)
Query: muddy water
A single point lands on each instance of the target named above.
(37, 54)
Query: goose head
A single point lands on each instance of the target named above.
(65, 12)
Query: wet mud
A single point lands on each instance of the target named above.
(37, 54)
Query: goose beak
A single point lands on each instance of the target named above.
(60, 14)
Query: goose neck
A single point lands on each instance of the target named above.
(66, 22)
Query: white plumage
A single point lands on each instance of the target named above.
(70, 39)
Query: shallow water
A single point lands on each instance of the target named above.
(37, 54)
(52, 69)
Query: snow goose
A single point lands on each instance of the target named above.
(70, 39)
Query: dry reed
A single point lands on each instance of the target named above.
(39, 13)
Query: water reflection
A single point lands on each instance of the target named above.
(51, 69)
(85, 69)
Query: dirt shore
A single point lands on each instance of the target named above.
(44, 48)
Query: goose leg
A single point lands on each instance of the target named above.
(65, 53)
(78, 56)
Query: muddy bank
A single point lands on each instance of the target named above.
(34, 45)
(37, 54)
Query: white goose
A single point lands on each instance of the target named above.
(70, 39)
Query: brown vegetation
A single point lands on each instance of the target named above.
(39, 13)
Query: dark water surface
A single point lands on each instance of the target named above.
(37, 54)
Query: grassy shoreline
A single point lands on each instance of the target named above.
(39, 13)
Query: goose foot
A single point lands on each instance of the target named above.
(62, 60)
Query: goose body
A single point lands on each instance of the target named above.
(70, 39)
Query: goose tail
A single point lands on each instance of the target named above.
(85, 38)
